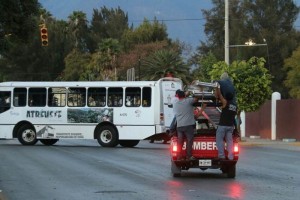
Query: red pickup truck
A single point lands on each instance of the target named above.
(204, 146)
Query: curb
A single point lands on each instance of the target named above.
(2, 197)
(270, 143)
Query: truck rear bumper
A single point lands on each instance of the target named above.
(204, 163)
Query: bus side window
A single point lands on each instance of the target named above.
(37, 97)
(4, 101)
(133, 97)
(146, 99)
(96, 97)
(115, 97)
(77, 97)
(20, 95)
(57, 97)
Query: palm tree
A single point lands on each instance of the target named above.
(78, 28)
(164, 62)
(108, 50)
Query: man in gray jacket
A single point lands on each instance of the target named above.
(184, 113)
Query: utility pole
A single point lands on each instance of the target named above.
(227, 31)
(139, 67)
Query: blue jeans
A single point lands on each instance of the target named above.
(225, 132)
(188, 132)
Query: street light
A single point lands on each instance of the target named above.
(226, 38)
(248, 44)
(251, 43)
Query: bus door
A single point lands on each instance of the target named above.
(168, 95)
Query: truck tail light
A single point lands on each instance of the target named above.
(174, 148)
(236, 148)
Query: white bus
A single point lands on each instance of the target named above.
(113, 112)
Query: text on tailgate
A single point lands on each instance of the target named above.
(198, 145)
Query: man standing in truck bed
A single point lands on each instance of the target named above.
(184, 113)
(226, 93)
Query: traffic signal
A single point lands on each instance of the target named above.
(44, 36)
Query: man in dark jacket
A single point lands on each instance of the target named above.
(225, 128)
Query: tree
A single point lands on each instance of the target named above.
(162, 62)
(147, 32)
(78, 29)
(132, 58)
(76, 61)
(32, 61)
(257, 20)
(103, 64)
(107, 23)
(60, 45)
(251, 79)
(18, 18)
(205, 64)
(18, 25)
(275, 24)
(292, 66)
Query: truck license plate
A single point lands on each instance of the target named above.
(204, 163)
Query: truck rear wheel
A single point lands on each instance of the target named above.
(231, 171)
(176, 171)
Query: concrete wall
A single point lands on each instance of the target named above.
(287, 120)
(259, 123)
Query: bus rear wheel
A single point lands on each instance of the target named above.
(107, 136)
(128, 143)
(48, 142)
(27, 135)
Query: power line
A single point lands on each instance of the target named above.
(170, 20)
(187, 19)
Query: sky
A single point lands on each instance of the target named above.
(183, 18)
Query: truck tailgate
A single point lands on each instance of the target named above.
(203, 147)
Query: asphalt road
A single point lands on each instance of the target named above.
(81, 169)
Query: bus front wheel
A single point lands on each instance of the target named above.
(27, 135)
(107, 136)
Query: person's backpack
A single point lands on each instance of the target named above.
(227, 89)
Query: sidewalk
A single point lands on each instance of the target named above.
(280, 144)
